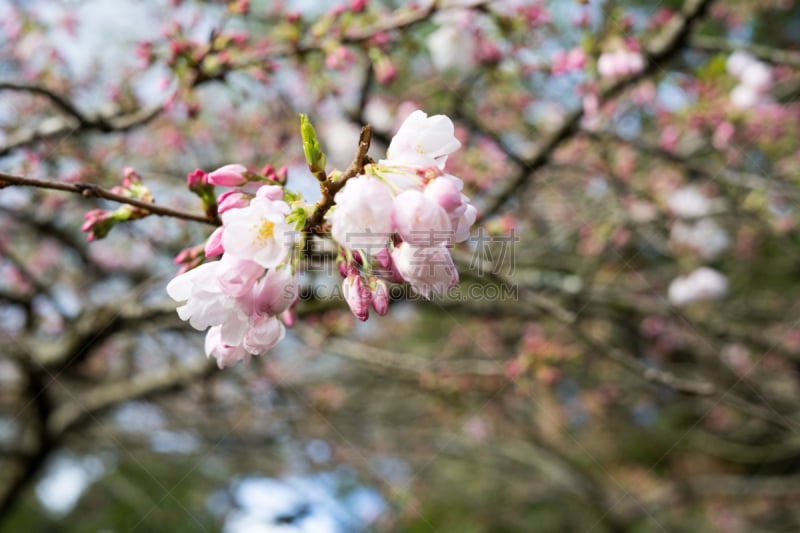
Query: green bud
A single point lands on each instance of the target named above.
(311, 147)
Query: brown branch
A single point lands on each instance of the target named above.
(402, 362)
(92, 404)
(765, 53)
(391, 23)
(329, 187)
(737, 178)
(91, 190)
(62, 103)
(59, 127)
(653, 375)
(661, 49)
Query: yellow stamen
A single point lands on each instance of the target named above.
(264, 232)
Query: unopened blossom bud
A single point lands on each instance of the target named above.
(357, 6)
(98, 223)
(130, 176)
(189, 258)
(196, 179)
(383, 258)
(343, 267)
(445, 193)
(231, 200)
(188, 254)
(228, 176)
(385, 69)
(289, 317)
(213, 245)
(270, 192)
(385, 267)
(282, 175)
(380, 298)
(357, 295)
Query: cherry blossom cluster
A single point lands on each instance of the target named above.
(397, 220)
(394, 221)
(245, 297)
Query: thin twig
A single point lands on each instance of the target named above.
(62, 103)
(91, 190)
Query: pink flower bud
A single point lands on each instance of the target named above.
(230, 200)
(228, 176)
(98, 223)
(270, 192)
(445, 193)
(380, 298)
(214, 246)
(282, 175)
(357, 295)
(289, 317)
(357, 6)
(385, 267)
(197, 178)
(383, 258)
(187, 255)
(343, 268)
(385, 70)
(130, 176)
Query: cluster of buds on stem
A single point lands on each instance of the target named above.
(98, 222)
